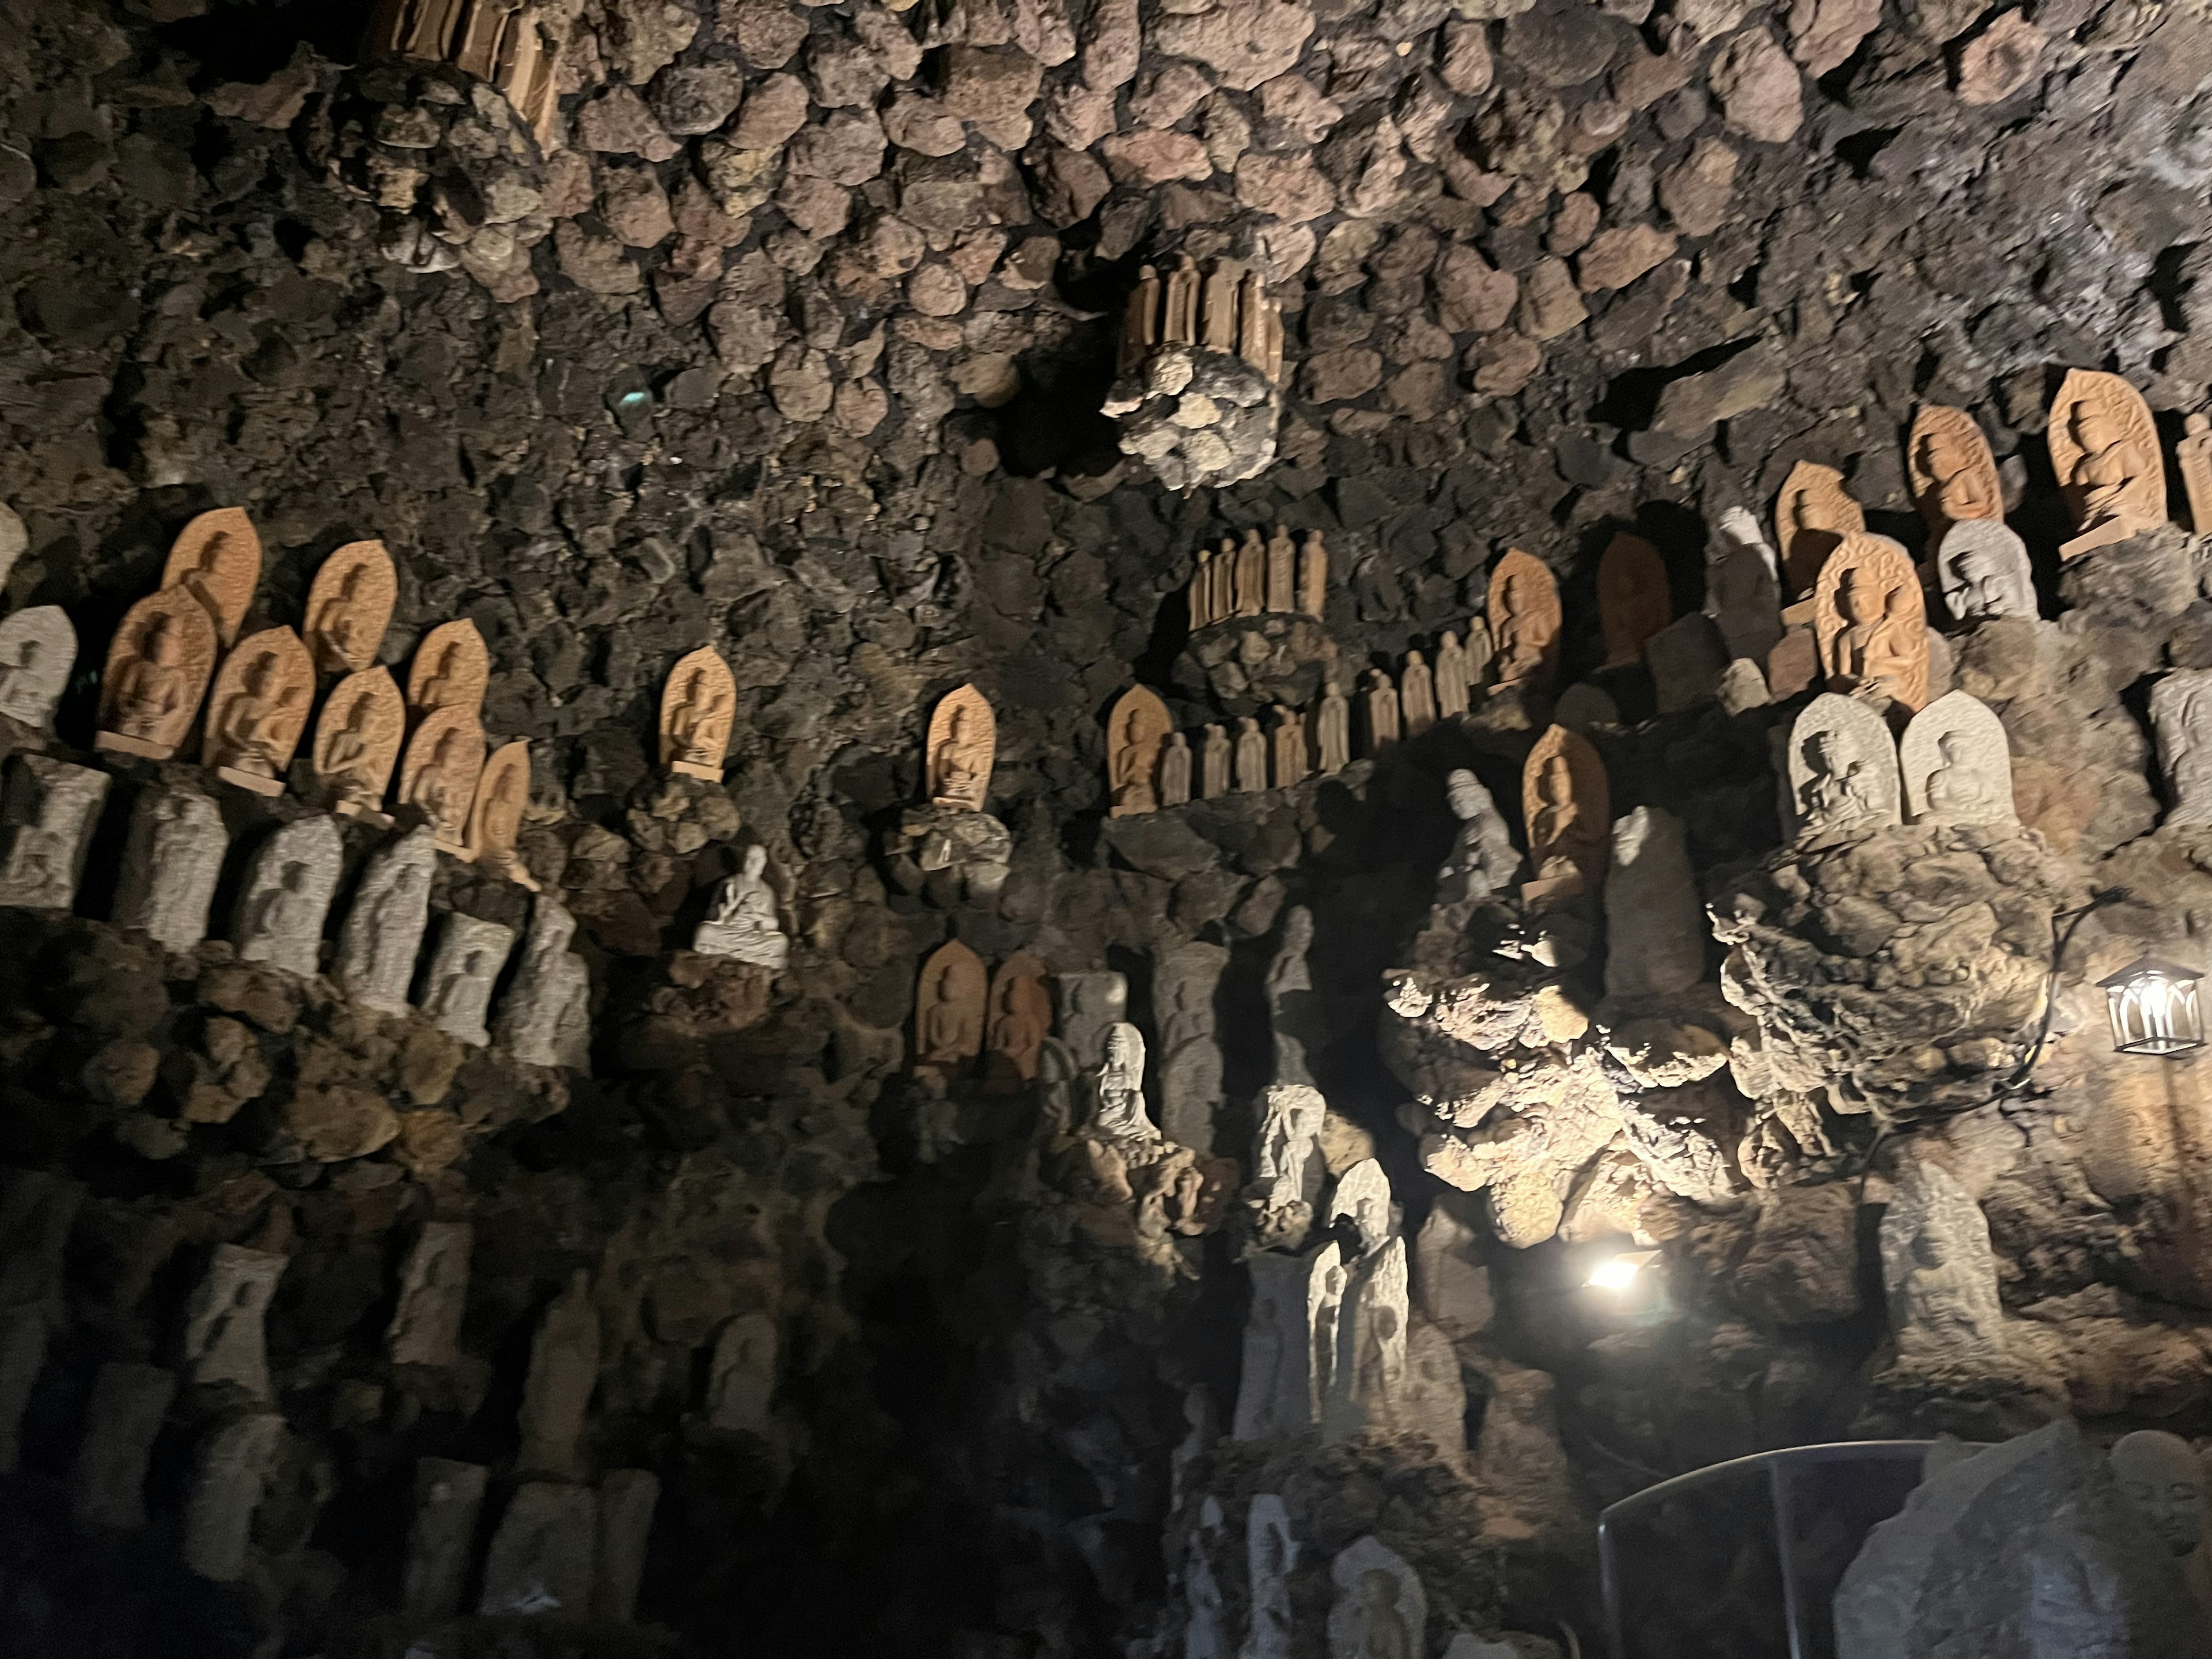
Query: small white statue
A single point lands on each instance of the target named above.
(1121, 1087)
(744, 922)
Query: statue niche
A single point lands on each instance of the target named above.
(949, 847)
(1957, 765)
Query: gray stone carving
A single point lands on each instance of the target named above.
(1483, 861)
(1278, 1390)
(541, 1558)
(1380, 1612)
(1087, 1005)
(564, 1369)
(1362, 1193)
(744, 922)
(2028, 1550)
(171, 863)
(38, 648)
(741, 1381)
(1271, 1555)
(627, 1498)
(441, 1542)
(1842, 767)
(457, 994)
(287, 895)
(1957, 765)
(433, 1294)
(1287, 1160)
(52, 809)
(1656, 927)
(1184, 980)
(1121, 1088)
(1743, 588)
(107, 1487)
(1369, 1374)
(383, 931)
(1451, 1282)
(1940, 1276)
(1686, 659)
(223, 1333)
(2181, 717)
(1293, 1010)
(234, 1466)
(2160, 1476)
(1984, 571)
(1206, 1634)
(546, 1018)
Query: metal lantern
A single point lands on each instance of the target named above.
(2154, 1008)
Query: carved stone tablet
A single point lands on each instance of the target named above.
(216, 558)
(1984, 570)
(1251, 757)
(963, 745)
(1632, 600)
(1842, 767)
(1743, 588)
(52, 809)
(1087, 1004)
(258, 709)
(546, 1017)
(235, 1462)
(744, 922)
(1135, 729)
(1870, 623)
(1954, 477)
(1379, 1607)
(439, 776)
(457, 993)
(38, 648)
(696, 708)
(1282, 571)
(1957, 765)
(433, 1294)
(451, 670)
(1812, 516)
(383, 931)
(1175, 771)
(1524, 623)
(441, 1539)
(350, 607)
(157, 672)
(1019, 1021)
(495, 816)
(2193, 456)
(1655, 927)
(223, 1320)
(357, 741)
(541, 1558)
(1565, 805)
(171, 865)
(2106, 453)
(286, 894)
(2181, 716)
(949, 1007)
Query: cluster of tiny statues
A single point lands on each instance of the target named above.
(515, 46)
(181, 660)
(563, 1542)
(1837, 605)
(1225, 309)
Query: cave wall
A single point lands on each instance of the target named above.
(791, 337)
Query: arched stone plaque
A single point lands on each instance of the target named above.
(451, 670)
(2181, 718)
(949, 1005)
(1871, 621)
(357, 740)
(216, 558)
(2106, 453)
(1632, 600)
(38, 648)
(157, 672)
(696, 708)
(964, 746)
(1984, 571)
(1957, 765)
(1812, 516)
(1524, 623)
(1954, 477)
(1135, 729)
(496, 815)
(1842, 767)
(258, 709)
(1566, 807)
(439, 775)
(350, 607)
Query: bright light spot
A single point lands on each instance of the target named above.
(1618, 1272)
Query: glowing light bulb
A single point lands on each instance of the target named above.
(1618, 1272)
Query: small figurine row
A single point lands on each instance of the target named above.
(1226, 310)
(173, 861)
(1256, 578)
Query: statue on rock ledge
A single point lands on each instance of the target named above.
(258, 709)
(357, 742)
(1135, 730)
(697, 709)
(1957, 765)
(1868, 618)
(963, 745)
(1564, 804)
(216, 558)
(1842, 767)
(1524, 623)
(1954, 478)
(52, 809)
(495, 817)
(1120, 1114)
(287, 895)
(1812, 516)
(1020, 1019)
(1482, 860)
(2105, 451)
(744, 922)
(949, 1008)
(1743, 588)
(1985, 572)
(1633, 603)
(350, 607)
(157, 673)
(1196, 389)
(171, 865)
